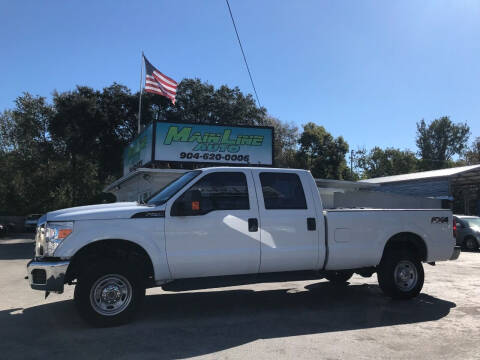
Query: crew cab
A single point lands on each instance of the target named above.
(229, 225)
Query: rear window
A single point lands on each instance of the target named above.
(282, 191)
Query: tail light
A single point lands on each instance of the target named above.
(454, 228)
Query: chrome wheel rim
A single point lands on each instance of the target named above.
(111, 294)
(406, 275)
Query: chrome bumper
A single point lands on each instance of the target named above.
(47, 275)
(456, 253)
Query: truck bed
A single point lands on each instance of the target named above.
(356, 237)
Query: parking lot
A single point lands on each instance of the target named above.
(308, 320)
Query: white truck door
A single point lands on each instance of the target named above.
(289, 229)
(211, 228)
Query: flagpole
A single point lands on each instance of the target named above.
(140, 95)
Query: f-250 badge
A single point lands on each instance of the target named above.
(439, 220)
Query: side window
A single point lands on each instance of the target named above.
(216, 191)
(282, 191)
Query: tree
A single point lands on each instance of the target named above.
(472, 155)
(64, 153)
(321, 153)
(378, 162)
(25, 155)
(439, 141)
(285, 141)
(200, 102)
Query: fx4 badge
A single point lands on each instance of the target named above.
(439, 220)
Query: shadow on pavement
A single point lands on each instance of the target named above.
(180, 325)
(16, 251)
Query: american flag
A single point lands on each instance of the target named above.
(158, 83)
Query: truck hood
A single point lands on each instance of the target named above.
(120, 210)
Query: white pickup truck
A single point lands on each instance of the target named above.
(229, 225)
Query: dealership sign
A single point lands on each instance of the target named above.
(180, 142)
(139, 152)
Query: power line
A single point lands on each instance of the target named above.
(243, 53)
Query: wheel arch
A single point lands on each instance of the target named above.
(125, 250)
(409, 240)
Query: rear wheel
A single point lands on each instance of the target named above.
(400, 274)
(338, 277)
(109, 294)
(470, 243)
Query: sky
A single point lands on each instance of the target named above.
(365, 70)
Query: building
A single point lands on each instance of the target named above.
(458, 188)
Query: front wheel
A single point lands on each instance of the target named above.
(108, 294)
(400, 275)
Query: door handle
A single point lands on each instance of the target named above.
(252, 224)
(311, 224)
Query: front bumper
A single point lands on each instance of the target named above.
(456, 253)
(47, 275)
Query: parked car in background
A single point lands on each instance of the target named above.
(6, 228)
(468, 231)
(31, 222)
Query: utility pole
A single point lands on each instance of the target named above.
(351, 163)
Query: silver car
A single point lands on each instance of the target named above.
(468, 231)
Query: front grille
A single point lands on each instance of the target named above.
(39, 276)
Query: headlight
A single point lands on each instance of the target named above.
(55, 233)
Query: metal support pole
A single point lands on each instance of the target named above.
(351, 164)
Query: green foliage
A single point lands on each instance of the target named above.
(284, 142)
(321, 153)
(439, 141)
(200, 102)
(472, 155)
(63, 154)
(378, 162)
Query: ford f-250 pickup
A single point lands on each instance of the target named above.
(229, 225)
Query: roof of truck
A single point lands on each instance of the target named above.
(252, 168)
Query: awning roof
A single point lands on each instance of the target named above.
(343, 184)
(469, 173)
(139, 171)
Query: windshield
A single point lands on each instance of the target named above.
(162, 196)
(473, 222)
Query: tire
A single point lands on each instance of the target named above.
(470, 243)
(109, 294)
(400, 274)
(339, 277)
